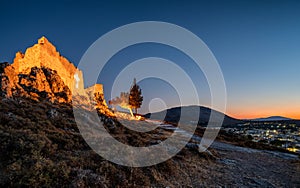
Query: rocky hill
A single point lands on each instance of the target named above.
(41, 145)
(39, 84)
(44, 54)
(41, 73)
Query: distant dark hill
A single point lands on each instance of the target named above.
(272, 118)
(189, 113)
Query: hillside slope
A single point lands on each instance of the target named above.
(41, 146)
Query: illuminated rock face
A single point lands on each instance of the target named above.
(97, 88)
(38, 84)
(95, 94)
(8, 80)
(41, 72)
(44, 54)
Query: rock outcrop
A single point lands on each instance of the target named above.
(39, 84)
(8, 80)
(42, 73)
(95, 94)
(95, 91)
(44, 54)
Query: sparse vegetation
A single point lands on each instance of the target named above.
(41, 146)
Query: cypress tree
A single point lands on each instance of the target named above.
(135, 96)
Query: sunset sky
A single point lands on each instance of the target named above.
(256, 43)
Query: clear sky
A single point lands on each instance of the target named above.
(257, 44)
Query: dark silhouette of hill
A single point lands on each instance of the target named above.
(190, 112)
(272, 118)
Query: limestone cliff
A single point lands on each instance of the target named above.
(95, 93)
(39, 84)
(95, 90)
(41, 72)
(44, 54)
(9, 80)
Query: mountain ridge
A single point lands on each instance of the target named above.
(273, 118)
(173, 115)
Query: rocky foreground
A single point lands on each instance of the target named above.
(41, 146)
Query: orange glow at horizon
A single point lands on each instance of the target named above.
(252, 112)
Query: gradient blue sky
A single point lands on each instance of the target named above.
(257, 43)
